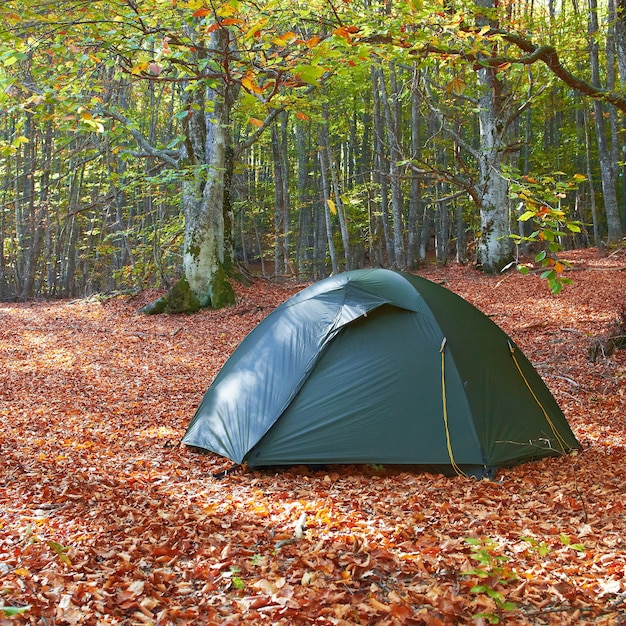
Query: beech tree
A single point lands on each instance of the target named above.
(216, 53)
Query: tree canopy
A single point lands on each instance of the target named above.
(152, 140)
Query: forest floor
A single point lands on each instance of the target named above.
(102, 521)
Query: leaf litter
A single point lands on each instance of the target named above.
(105, 520)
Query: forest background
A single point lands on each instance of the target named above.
(145, 141)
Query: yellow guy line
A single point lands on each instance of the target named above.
(455, 467)
(555, 432)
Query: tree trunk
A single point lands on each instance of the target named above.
(608, 167)
(495, 249)
(324, 169)
(205, 282)
(281, 202)
(620, 51)
(415, 197)
(335, 194)
(381, 168)
(306, 234)
(395, 155)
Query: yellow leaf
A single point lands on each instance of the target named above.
(331, 206)
(22, 571)
(284, 39)
(249, 84)
(139, 68)
(228, 9)
(255, 29)
(456, 86)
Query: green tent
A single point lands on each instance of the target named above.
(382, 367)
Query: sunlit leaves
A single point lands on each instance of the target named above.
(60, 551)
(310, 74)
(541, 202)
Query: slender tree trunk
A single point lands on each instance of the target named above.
(592, 193)
(619, 22)
(441, 229)
(306, 235)
(332, 190)
(415, 196)
(281, 203)
(608, 167)
(381, 167)
(326, 194)
(395, 154)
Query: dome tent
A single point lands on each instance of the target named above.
(382, 367)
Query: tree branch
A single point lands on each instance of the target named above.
(170, 157)
(533, 53)
(272, 115)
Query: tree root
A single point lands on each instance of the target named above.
(616, 339)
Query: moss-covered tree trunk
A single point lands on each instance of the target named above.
(207, 247)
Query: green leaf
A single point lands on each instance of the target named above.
(238, 582)
(495, 595)
(575, 228)
(524, 217)
(541, 256)
(472, 541)
(555, 286)
(10, 611)
(492, 618)
(309, 74)
(60, 551)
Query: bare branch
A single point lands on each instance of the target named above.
(168, 156)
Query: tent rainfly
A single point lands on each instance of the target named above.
(381, 367)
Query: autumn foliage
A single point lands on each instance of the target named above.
(104, 520)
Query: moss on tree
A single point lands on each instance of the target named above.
(222, 291)
(181, 299)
